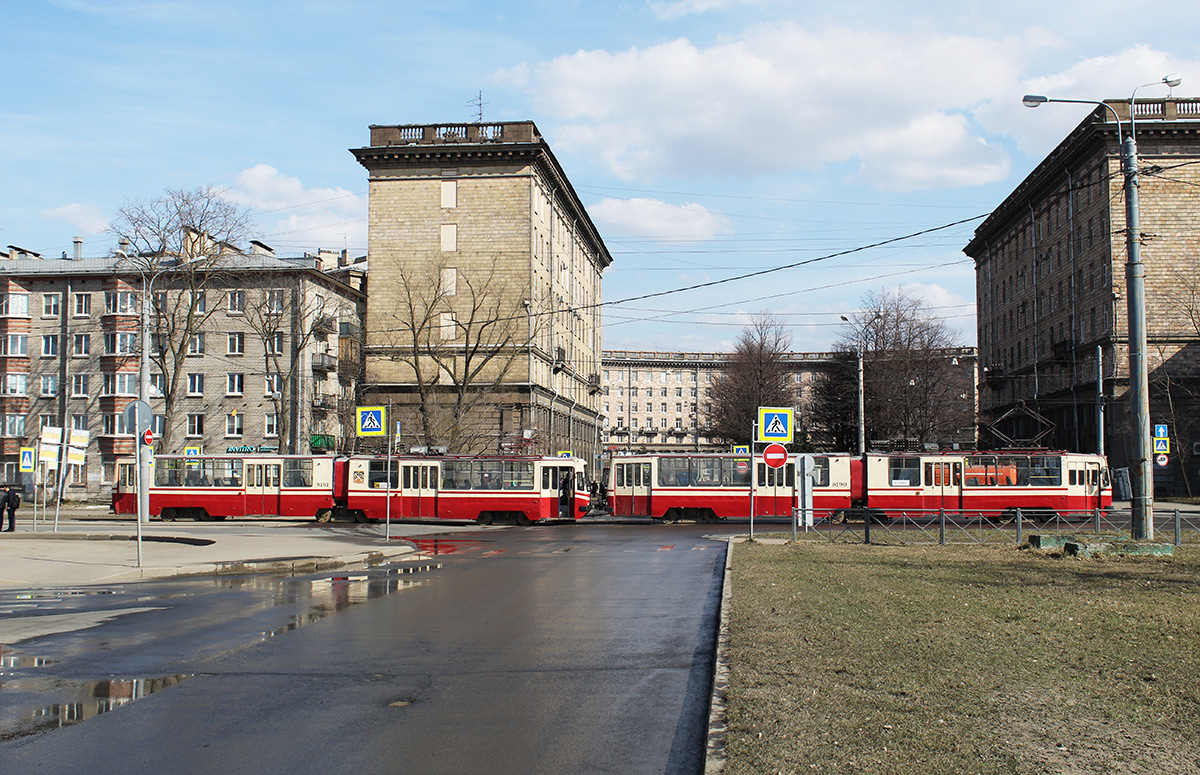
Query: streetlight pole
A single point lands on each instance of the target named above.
(1141, 474)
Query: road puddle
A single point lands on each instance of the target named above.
(80, 700)
(443, 546)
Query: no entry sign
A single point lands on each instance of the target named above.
(775, 455)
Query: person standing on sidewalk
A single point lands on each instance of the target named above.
(12, 499)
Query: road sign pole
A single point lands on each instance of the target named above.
(753, 434)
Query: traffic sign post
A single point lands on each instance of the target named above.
(774, 425)
(775, 455)
(371, 421)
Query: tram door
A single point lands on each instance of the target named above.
(262, 488)
(1088, 478)
(419, 483)
(774, 489)
(941, 485)
(640, 486)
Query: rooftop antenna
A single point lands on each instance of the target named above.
(478, 104)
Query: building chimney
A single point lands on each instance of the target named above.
(78, 242)
(123, 244)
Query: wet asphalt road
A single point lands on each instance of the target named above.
(549, 649)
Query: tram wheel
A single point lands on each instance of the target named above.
(360, 515)
(709, 517)
(523, 519)
(484, 518)
(167, 515)
(324, 515)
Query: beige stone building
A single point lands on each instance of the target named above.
(271, 364)
(1050, 266)
(483, 325)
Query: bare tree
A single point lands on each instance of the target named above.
(754, 375)
(178, 243)
(459, 333)
(915, 389)
(834, 412)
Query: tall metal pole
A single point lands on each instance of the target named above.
(1141, 475)
(862, 413)
(1099, 400)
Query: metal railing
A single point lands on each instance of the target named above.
(942, 526)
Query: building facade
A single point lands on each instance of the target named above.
(483, 324)
(1050, 267)
(270, 361)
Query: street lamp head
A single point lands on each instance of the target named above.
(1033, 100)
(845, 319)
(1172, 80)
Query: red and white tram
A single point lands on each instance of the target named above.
(709, 487)
(475, 488)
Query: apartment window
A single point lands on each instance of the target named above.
(81, 345)
(196, 345)
(235, 302)
(633, 407)
(234, 384)
(633, 392)
(200, 301)
(237, 343)
(270, 425)
(46, 421)
(123, 383)
(50, 304)
(664, 408)
(15, 344)
(274, 343)
(195, 425)
(158, 426)
(606, 375)
(79, 422)
(678, 408)
(156, 385)
(79, 385)
(275, 301)
(120, 302)
(195, 384)
(49, 385)
(678, 392)
(83, 305)
(119, 343)
(16, 384)
(449, 237)
(50, 346)
(271, 384)
(14, 304)
(233, 424)
(662, 422)
(678, 423)
(606, 408)
(14, 425)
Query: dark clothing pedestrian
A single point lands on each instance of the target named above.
(12, 499)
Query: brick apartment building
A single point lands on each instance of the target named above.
(273, 366)
(483, 324)
(1050, 264)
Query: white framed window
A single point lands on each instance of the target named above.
(81, 345)
(234, 384)
(46, 421)
(15, 344)
(158, 426)
(79, 422)
(270, 425)
(14, 305)
(83, 305)
(236, 344)
(235, 302)
(195, 425)
(196, 344)
(50, 304)
(16, 384)
(200, 301)
(156, 385)
(14, 425)
(50, 346)
(449, 237)
(195, 384)
(233, 425)
(275, 301)
(120, 343)
(123, 383)
(114, 424)
(274, 343)
(49, 385)
(120, 303)
(271, 385)
(79, 385)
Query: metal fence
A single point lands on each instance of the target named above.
(941, 526)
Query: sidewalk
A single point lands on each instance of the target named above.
(94, 548)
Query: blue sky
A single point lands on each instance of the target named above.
(708, 138)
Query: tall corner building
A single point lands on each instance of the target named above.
(1051, 289)
(483, 317)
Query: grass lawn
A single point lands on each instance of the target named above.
(865, 659)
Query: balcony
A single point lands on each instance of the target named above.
(593, 383)
(324, 324)
(324, 362)
(325, 403)
(321, 442)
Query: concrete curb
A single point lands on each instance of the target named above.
(718, 723)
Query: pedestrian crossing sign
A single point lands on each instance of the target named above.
(27, 463)
(774, 425)
(739, 449)
(1162, 445)
(371, 421)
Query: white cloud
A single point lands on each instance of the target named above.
(88, 218)
(655, 219)
(294, 218)
(669, 11)
(788, 97)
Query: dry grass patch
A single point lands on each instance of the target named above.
(962, 660)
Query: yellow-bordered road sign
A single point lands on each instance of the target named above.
(27, 459)
(1162, 445)
(739, 449)
(774, 424)
(371, 421)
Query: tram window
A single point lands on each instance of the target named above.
(125, 477)
(227, 473)
(904, 471)
(456, 475)
(518, 475)
(297, 473)
(199, 473)
(790, 474)
(168, 472)
(929, 474)
(383, 474)
(1071, 475)
(673, 472)
(1045, 471)
(645, 479)
(1013, 470)
(488, 475)
(820, 472)
(271, 475)
(620, 469)
(737, 473)
(981, 471)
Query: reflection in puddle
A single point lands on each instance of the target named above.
(28, 681)
(437, 546)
